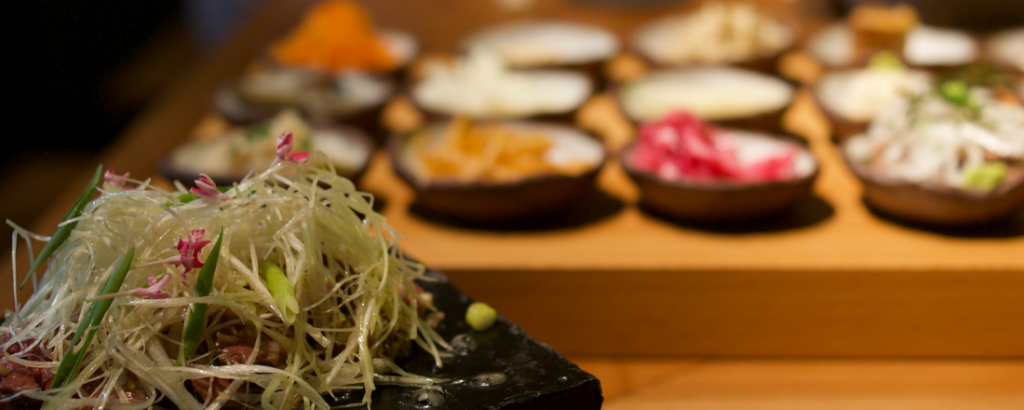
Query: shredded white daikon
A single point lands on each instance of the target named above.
(358, 304)
(925, 138)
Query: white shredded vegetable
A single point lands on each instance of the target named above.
(358, 303)
(925, 138)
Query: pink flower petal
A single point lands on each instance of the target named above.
(112, 179)
(284, 150)
(284, 144)
(207, 189)
(154, 291)
(298, 157)
(189, 250)
(155, 288)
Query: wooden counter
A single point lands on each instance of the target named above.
(618, 290)
(808, 384)
(831, 279)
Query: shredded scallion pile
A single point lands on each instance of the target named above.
(345, 308)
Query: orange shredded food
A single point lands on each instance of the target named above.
(335, 34)
(491, 153)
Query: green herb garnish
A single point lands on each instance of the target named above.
(93, 317)
(257, 132)
(955, 91)
(282, 290)
(985, 177)
(196, 321)
(886, 60)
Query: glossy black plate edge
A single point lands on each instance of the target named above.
(537, 377)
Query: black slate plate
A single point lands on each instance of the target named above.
(537, 378)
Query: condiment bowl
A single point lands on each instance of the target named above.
(485, 202)
(720, 201)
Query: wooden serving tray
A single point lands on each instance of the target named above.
(828, 279)
(831, 279)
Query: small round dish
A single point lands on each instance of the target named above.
(952, 156)
(940, 205)
(1006, 49)
(348, 148)
(716, 34)
(351, 97)
(518, 199)
(730, 97)
(341, 36)
(925, 47)
(533, 44)
(722, 201)
(851, 98)
(481, 88)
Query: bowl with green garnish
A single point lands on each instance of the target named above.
(851, 98)
(951, 156)
(229, 157)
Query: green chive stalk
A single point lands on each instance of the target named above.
(93, 317)
(196, 321)
(282, 290)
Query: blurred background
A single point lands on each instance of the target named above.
(88, 68)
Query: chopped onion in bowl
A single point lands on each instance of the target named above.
(717, 33)
(545, 43)
(939, 138)
(858, 95)
(481, 87)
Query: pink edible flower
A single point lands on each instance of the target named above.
(207, 189)
(112, 180)
(284, 150)
(682, 147)
(189, 249)
(154, 291)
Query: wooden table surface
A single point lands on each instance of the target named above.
(850, 246)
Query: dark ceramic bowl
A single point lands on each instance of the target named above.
(723, 201)
(567, 117)
(842, 127)
(999, 49)
(940, 205)
(330, 134)
(768, 119)
(642, 45)
(501, 202)
(826, 44)
(553, 43)
(234, 108)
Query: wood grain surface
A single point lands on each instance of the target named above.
(807, 384)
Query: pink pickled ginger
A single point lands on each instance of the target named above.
(682, 147)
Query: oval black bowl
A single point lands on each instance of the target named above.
(937, 205)
(563, 117)
(768, 121)
(495, 202)
(718, 201)
(188, 177)
(236, 110)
